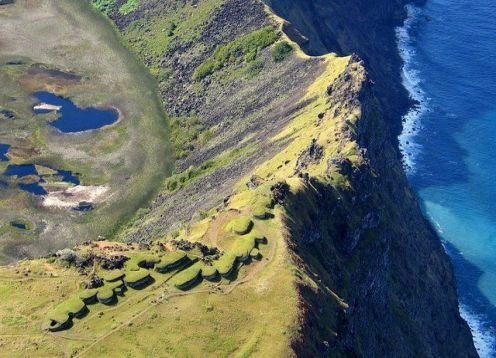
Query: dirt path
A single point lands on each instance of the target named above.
(218, 224)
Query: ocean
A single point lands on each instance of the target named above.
(449, 143)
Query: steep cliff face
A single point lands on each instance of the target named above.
(366, 28)
(384, 286)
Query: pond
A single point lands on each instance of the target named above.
(30, 180)
(4, 148)
(6, 114)
(73, 119)
(19, 225)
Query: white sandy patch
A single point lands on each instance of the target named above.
(47, 107)
(71, 197)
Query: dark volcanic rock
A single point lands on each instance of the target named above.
(94, 282)
(311, 155)
(279, 192)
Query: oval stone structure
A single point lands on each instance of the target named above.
(73, 119)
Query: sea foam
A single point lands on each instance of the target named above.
(484, 340)
(411, 79)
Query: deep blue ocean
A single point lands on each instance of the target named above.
(449, 143)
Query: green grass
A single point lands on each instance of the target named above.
(241, 225)
(253, 68)
(151, 36)
(129, 7)
(181, 180)
(185, 131)
(143, 166)
(280, 51)
(243, 49)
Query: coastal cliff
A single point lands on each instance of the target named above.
(370, 245)
(388, 259)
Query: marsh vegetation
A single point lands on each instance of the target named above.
(50, 52)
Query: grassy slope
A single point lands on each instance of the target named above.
(256, 315)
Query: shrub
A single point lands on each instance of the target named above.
(254, 68)
(129, 7)
(105, 6)
(67, 255)
(225, 264)
(281, 50)
(245, 47)
(240, 225)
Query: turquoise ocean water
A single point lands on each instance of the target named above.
(449, 143)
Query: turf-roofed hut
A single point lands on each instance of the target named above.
(61, 317)
(171, 261)
(113, 276)
(226, 264)
(138, 279)
(209, 272)
(189, 277)
(243, 246)
(106, 295)
(88, 296)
